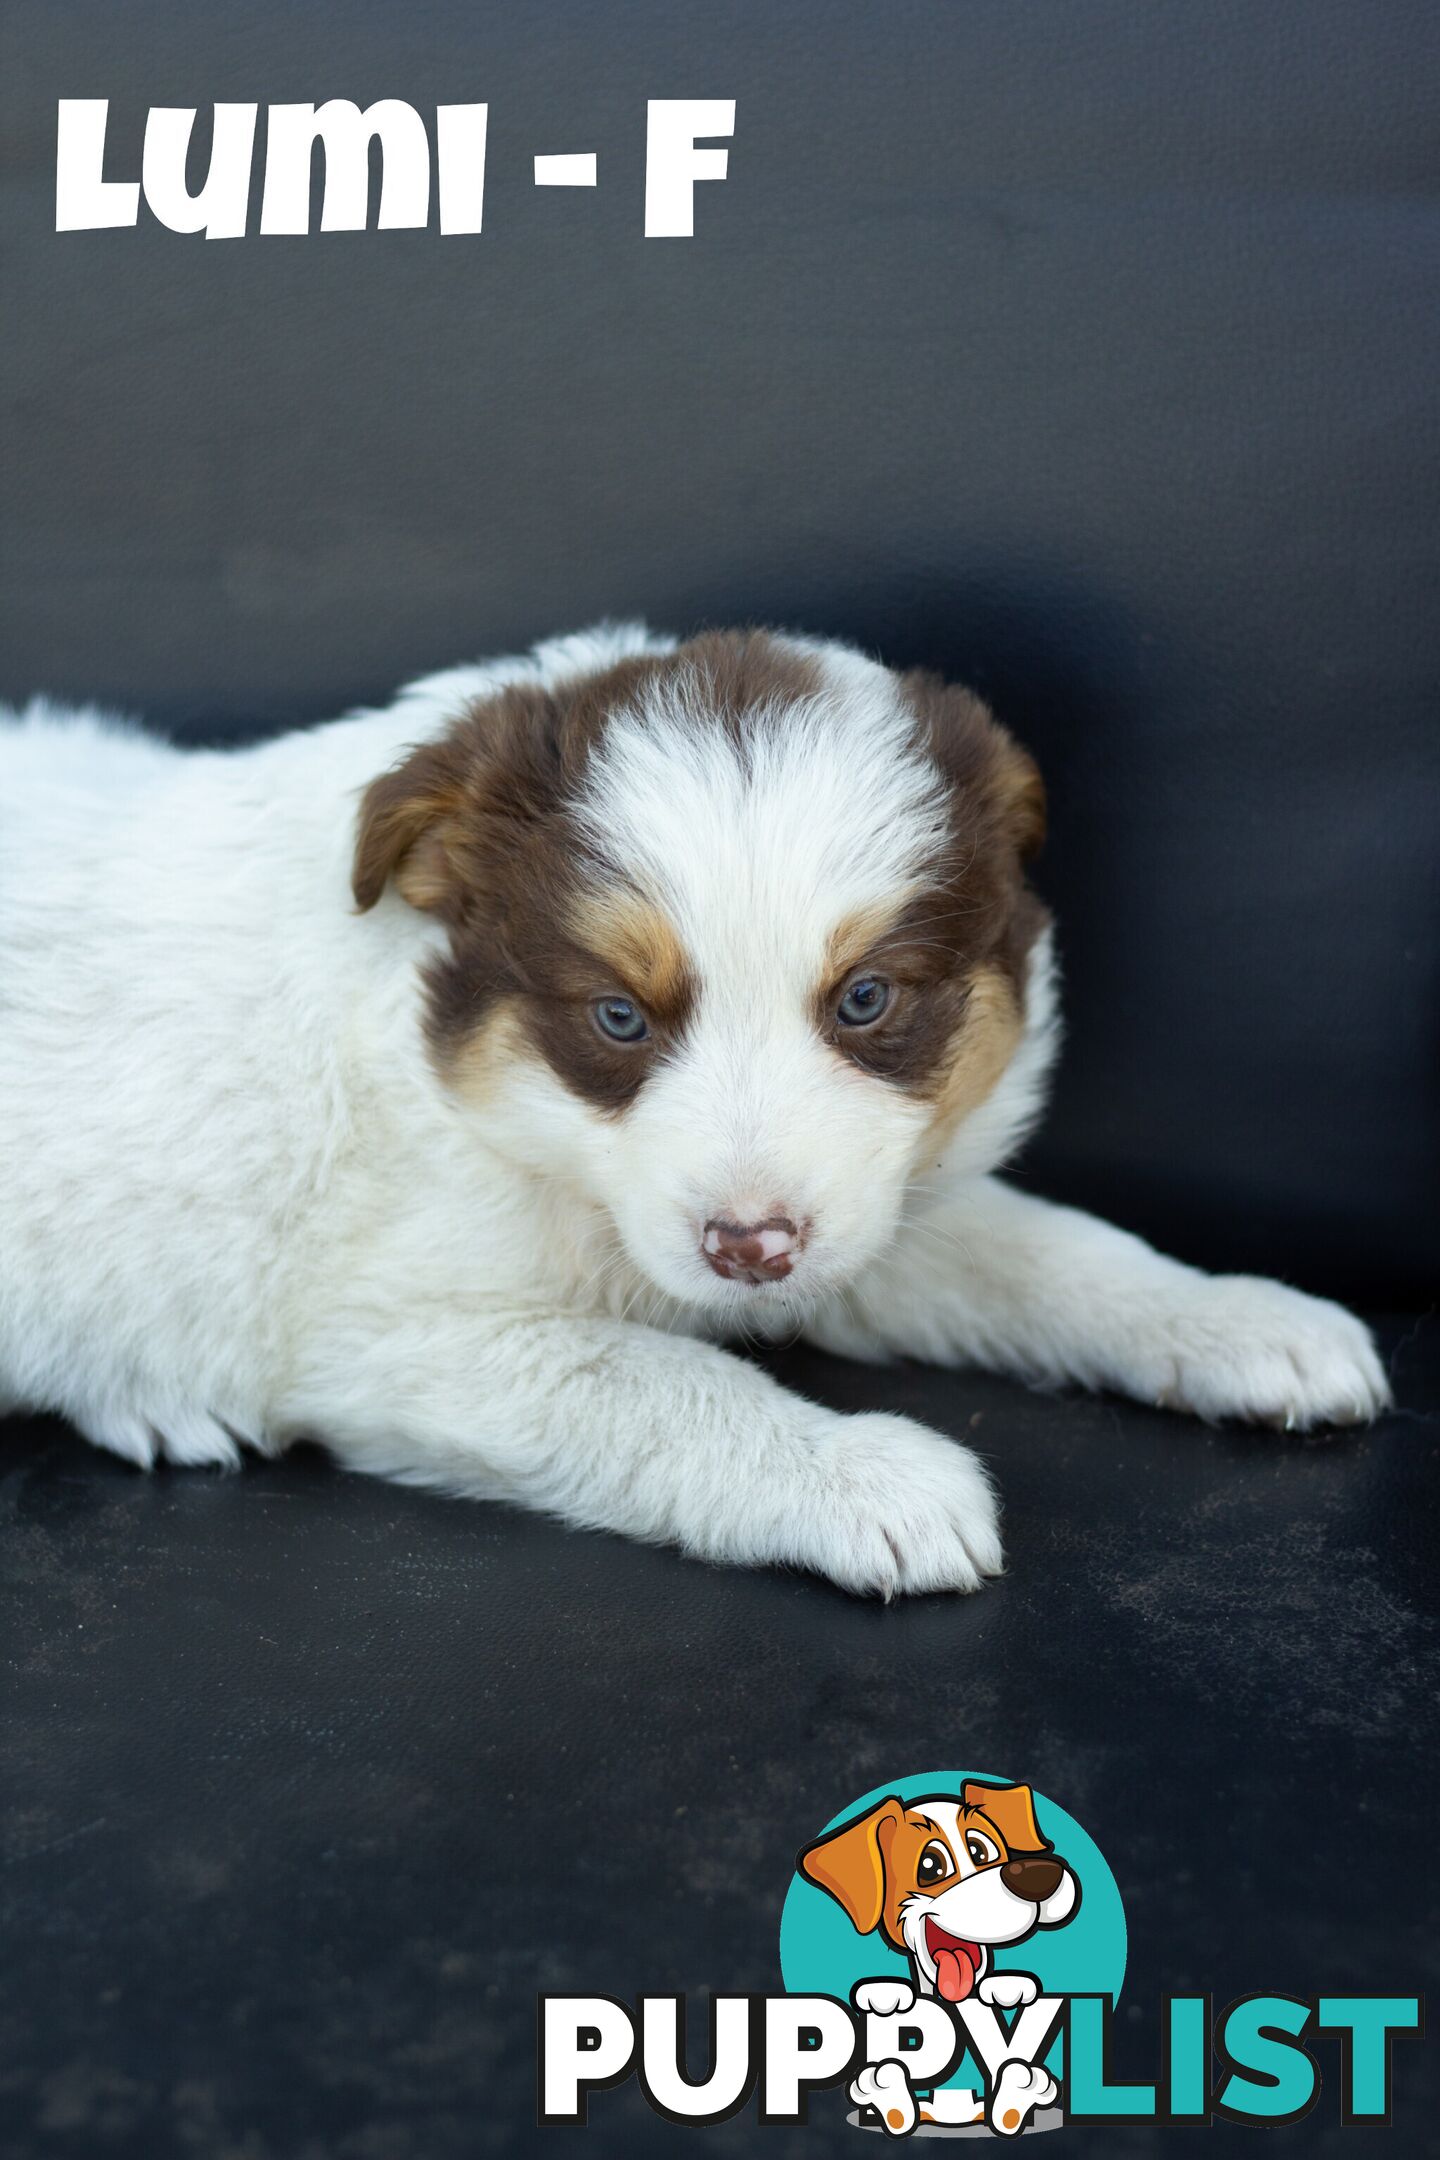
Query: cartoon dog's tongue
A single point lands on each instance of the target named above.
(954, 1974)
(957, 1962)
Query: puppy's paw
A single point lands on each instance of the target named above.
(1020, 2088)
(883, 1998)
(885, 2087)
(898, 1509)
(1242, 1347)
(1008, 1990)
(179, 1433)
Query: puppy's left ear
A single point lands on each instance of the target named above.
(1012, 1810)
(1022, 793)
(850, 1865)
(980, 758)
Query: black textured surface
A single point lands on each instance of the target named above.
(313, 1783)
(1091, 352)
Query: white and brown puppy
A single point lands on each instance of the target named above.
(428, 1081)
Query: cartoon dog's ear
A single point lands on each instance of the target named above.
(850, 1865)
(1012, 1810)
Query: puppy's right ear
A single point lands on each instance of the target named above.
(445, 822)
(849, 1863)
(410, 829)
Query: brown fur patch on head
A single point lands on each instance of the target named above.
(728, 677)
(733, 676)
(479, 829)
(956, 949)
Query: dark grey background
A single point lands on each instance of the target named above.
(1088, 351)
(1091, 352)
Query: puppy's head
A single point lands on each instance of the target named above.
(947, 1879)
(738, 940)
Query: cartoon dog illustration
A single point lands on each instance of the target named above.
(947, 1880)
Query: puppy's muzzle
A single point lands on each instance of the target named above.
(757, 1252)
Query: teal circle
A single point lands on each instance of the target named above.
(821, 1954)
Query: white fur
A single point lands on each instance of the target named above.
(237, 1204)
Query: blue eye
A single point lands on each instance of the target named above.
(863, 1002)
(620, 1020)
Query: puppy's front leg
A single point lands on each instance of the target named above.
(998, 1278)
(620, 1427)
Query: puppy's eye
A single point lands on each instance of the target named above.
(982, 1850)
(934, 1866)
(618, 1018)
(864, 1001)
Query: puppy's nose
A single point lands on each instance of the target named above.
(751, 1252)
(1035, 1878)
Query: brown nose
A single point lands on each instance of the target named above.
(1036, 1877)
(751, 1252)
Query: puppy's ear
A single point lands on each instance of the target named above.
(443, 823)
(1022, 793)
(979, 757)
(850, 1865)
(409, 830)
(1012, 1810)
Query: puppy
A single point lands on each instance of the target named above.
(430, 1083)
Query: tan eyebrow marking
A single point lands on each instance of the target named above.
(636, 939)
(854, 939)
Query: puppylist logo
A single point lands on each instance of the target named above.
(953, 1947)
